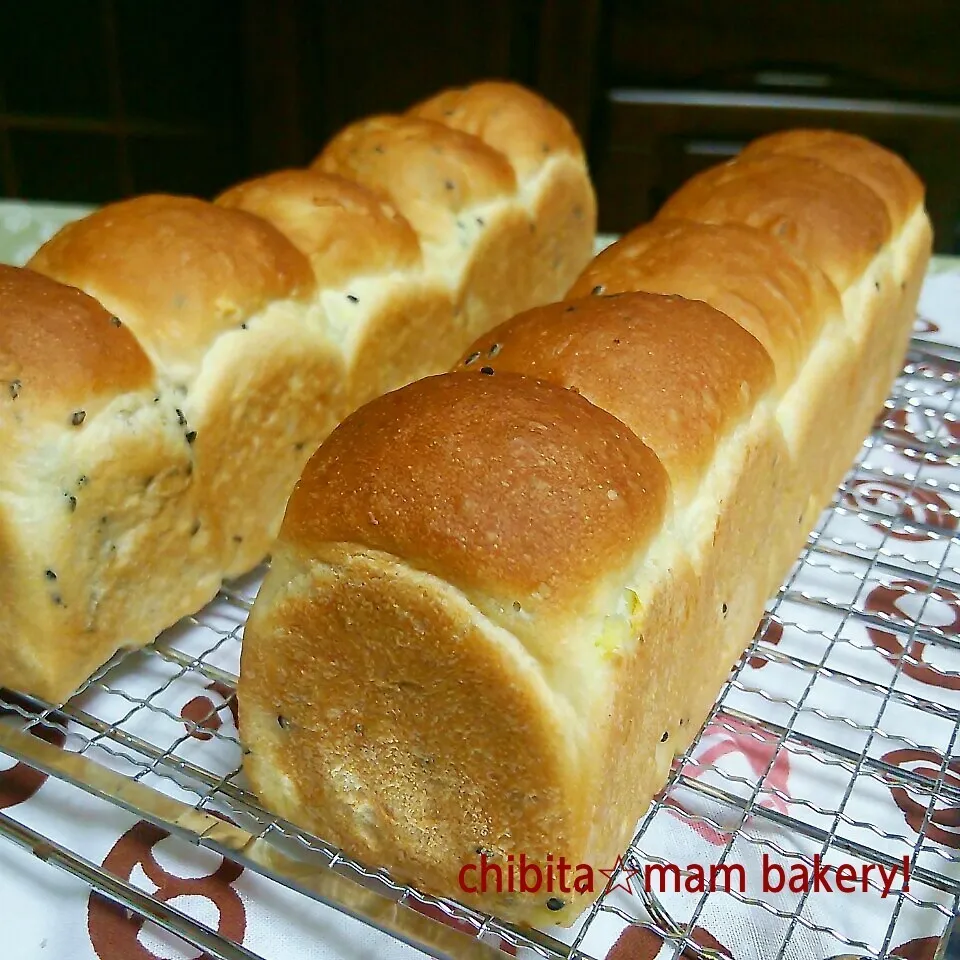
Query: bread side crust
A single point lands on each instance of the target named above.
(442, 744)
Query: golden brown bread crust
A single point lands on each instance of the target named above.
(739, 270)
(677, 372)
(344, 230)
(430, 172)
(830, 219)
(60, 350)
(570, 485)
(179, 271)
(515, 121)
(881, 170)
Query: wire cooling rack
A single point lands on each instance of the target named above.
(852, 682)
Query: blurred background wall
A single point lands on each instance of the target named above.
(100, 99)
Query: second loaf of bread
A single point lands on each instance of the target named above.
(271, 314)
(503, 598)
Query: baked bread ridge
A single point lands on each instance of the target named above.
(337, 605)
(840, 206)
(525, 187)
(97, 474)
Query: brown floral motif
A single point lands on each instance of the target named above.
(918, 429)
(435, 913)
(21, 781)
(885, 599)
(914, 505)
(772, 633)
(925, 325)
(115, 933)
(923, 949)
(639, 943)
(724, 737)
(943, 823)
(201, 716)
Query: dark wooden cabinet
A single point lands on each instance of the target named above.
(688, 82)
(103, 98)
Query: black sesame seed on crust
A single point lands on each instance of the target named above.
(598, 289)
(471, 358)
(487, 370)
(352, 298)
(15, 388)
(191, 435)
(664, 737)
(555, 904)
(494, 350)
(181, 419)
(50, 575)
(115, 321)
(72, 501)
(78, 417)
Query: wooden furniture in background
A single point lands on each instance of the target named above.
(103, 98)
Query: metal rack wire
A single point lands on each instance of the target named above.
(849, 680)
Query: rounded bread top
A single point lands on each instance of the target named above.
(677, 372)
(180, 271)
(430, 172)
(505, 487)
(742, 272)
(62, 355)
(344, 230)
(515, 121)
(881, 170)
(828, 218)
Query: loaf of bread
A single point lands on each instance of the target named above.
(503, 598)
(267, 317)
